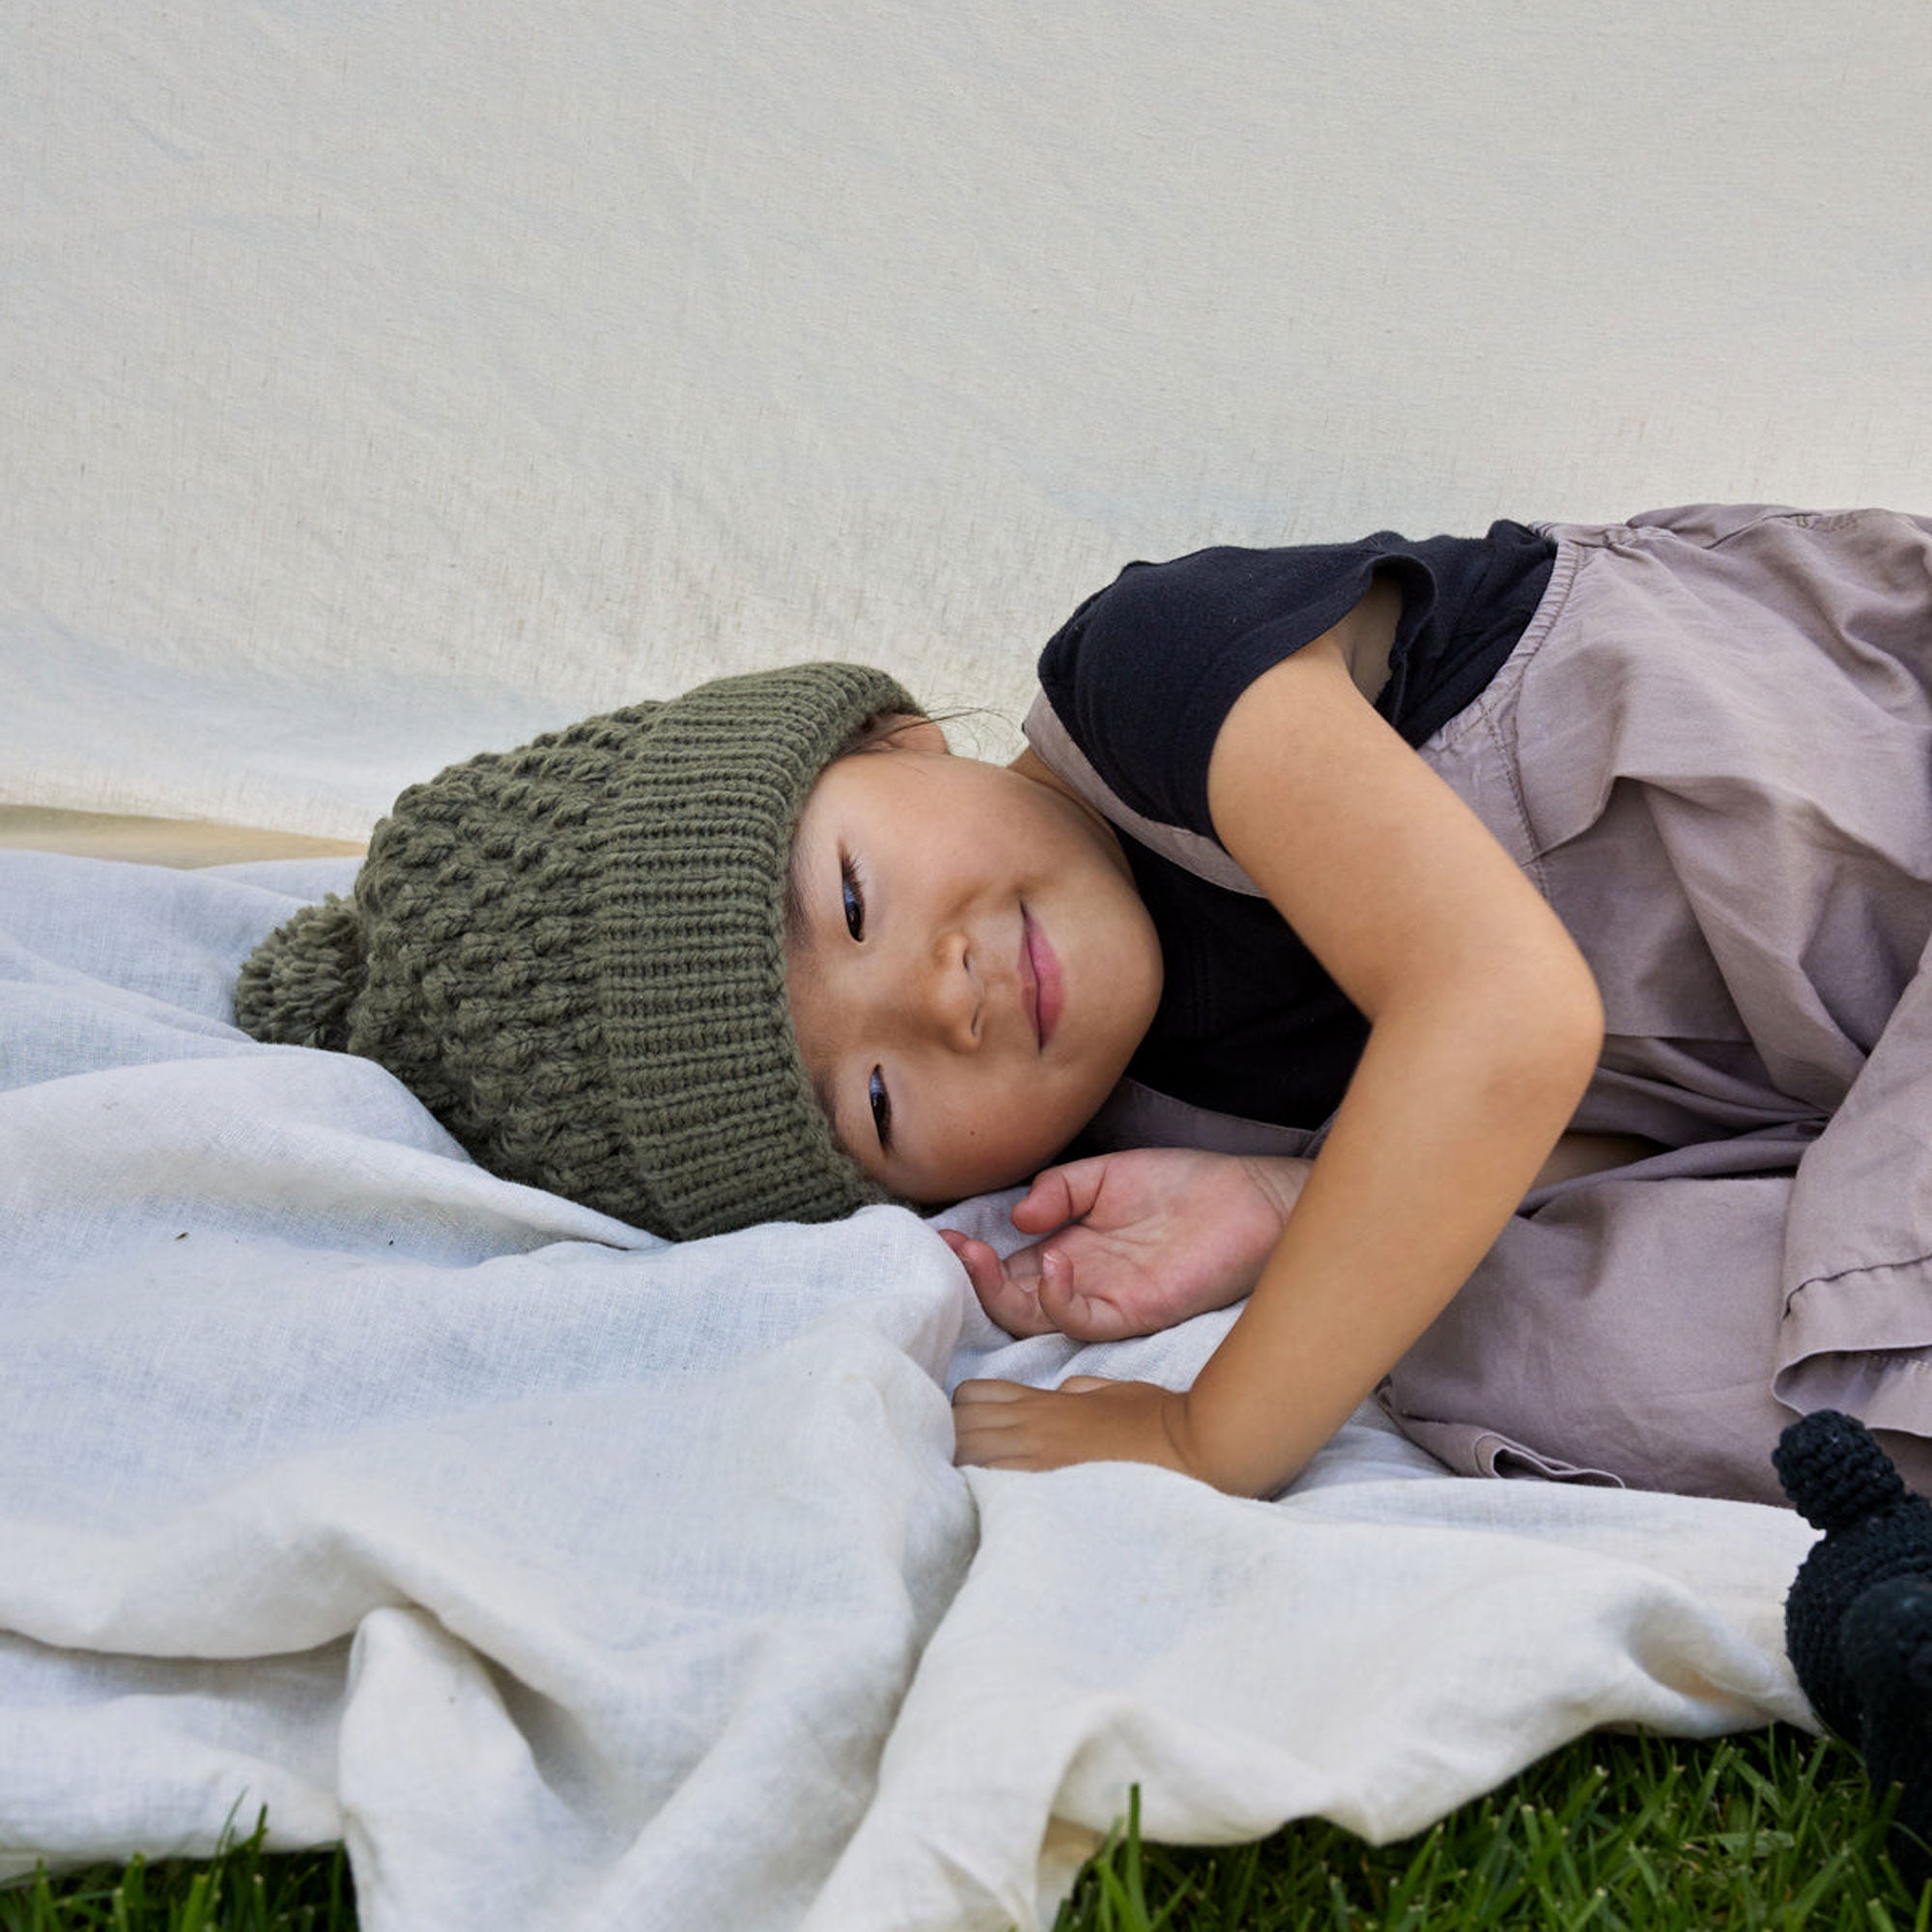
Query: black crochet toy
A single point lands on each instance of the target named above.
(1858, 1622)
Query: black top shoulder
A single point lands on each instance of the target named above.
(1142, 677)
(1145, 673)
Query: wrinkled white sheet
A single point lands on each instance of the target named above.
(580, 1580)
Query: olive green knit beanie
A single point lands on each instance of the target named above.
(573, 954)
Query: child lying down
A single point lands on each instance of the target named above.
(1497, 959)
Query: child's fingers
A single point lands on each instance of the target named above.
(990, 1423)
(1008, 1291)
(1067, 1307)
(1007, 1425)
(971, 1255)
(1058, 1195)
(982, 1265)
(1043, 1207)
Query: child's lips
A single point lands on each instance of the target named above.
(1040, 974)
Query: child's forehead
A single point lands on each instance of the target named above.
(917, 798)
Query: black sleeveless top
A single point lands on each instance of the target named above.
(1142, 677)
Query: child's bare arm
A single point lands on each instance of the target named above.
(1484, 1027)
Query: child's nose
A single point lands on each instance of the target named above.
(952, 994)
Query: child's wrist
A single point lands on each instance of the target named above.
(1279, 1179)
(1208, 1449)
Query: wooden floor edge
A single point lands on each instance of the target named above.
(156, 841)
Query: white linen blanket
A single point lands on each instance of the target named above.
(580, 1580)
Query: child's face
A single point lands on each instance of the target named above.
(969, 965)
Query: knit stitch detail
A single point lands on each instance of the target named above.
(573, 954)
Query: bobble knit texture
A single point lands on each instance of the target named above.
(573, 954)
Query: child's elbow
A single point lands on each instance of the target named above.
(1559, 1025)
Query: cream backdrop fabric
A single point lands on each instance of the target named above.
(382, 381)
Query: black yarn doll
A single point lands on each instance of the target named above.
(1858, 1622)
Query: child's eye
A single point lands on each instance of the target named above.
(854, 895)
(882, 1109)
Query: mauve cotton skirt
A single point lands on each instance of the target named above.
(1711, 749)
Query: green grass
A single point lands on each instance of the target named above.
(1773, 1830)
(242, 1890)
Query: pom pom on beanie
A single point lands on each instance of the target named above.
(298, 985)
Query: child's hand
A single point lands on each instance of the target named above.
(1086, 1419)
(1144, 1239)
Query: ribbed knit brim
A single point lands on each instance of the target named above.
(573, 953)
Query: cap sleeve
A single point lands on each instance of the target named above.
(1144, 673)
